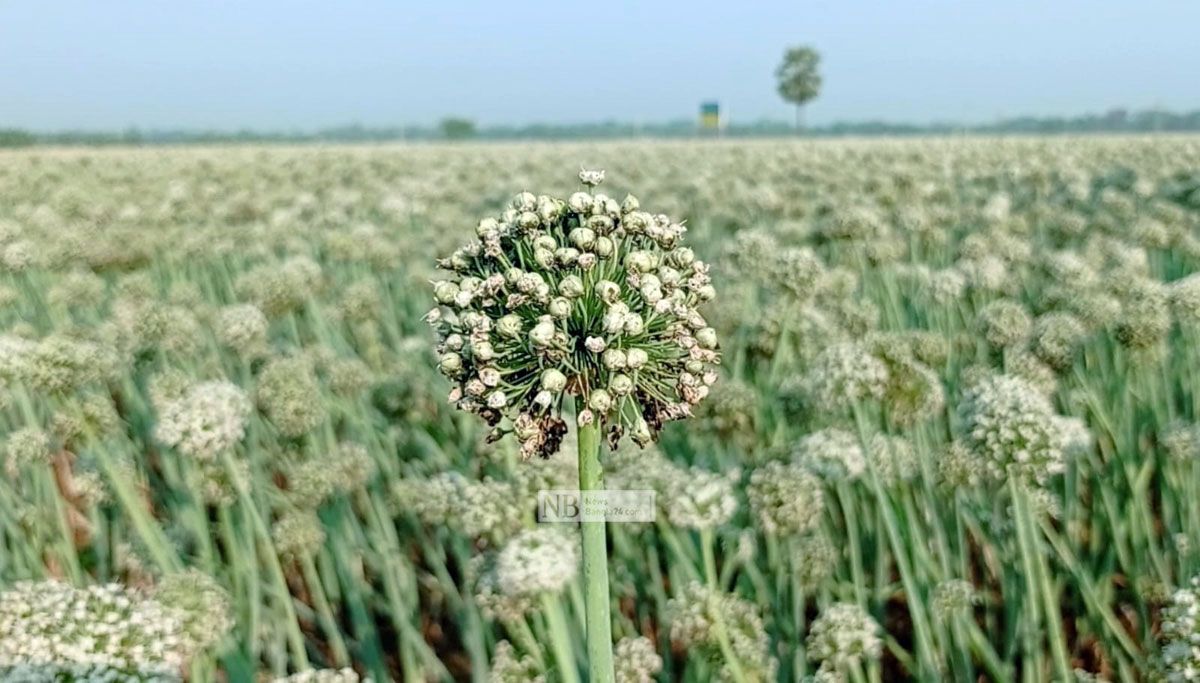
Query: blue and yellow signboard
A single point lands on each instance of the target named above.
(710, 116)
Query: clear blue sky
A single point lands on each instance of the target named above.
(298, 65)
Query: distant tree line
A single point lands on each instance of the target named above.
(1114, 121)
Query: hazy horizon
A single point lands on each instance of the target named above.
(279, 66)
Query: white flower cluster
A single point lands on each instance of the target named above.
(586, 297)
(49, 625)
(209, 419)
(690, 497)
(844, 374)
(508, 667)
(893, 459)
(1185, 299)
(786, 498)
(1055, 338)
(243, 328)
(843, 636)
(346, 469)
(701, 499)
(203, 606)
(832, 454)
(477, 508)
(954, 597)
(1004, 323)
(290, 395)
(1011, 427)
(298, 533)
(539, 560)
(1179, 656)
(25, 447)
(636, 660)
(693, 615)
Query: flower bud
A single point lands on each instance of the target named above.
(542, 334)
(636, 358)
(444, 292)
(707, 293)
(586, 261)
(497, 400)
(490, 377)
(603, 247)
(450, 363)
(553, 380)
(609, 291)
(509, 326)
(639, 261)
(525, 201)
(487, 226)
(591, 178)
(621, 385)
(633, 324)
(483, 350)
(560, 307)
(585, 418)
(707, 337)
(582, 238)
(580, 202)
(544, 257)
(545, 242)
(630, 204)
(681, 257)
(595, 344)
(600, 401)
(549, 209)
(614, 359)
(543, 398)
(641, 433)
(513, 275)
(571, 287)
(454, 342)
(601, 224)
(528, 220)
(566, 256)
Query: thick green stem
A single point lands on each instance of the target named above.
(1038, 579)
(595, 563)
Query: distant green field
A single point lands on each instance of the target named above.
(954, 435)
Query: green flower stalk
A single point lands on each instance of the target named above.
(585, 299)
